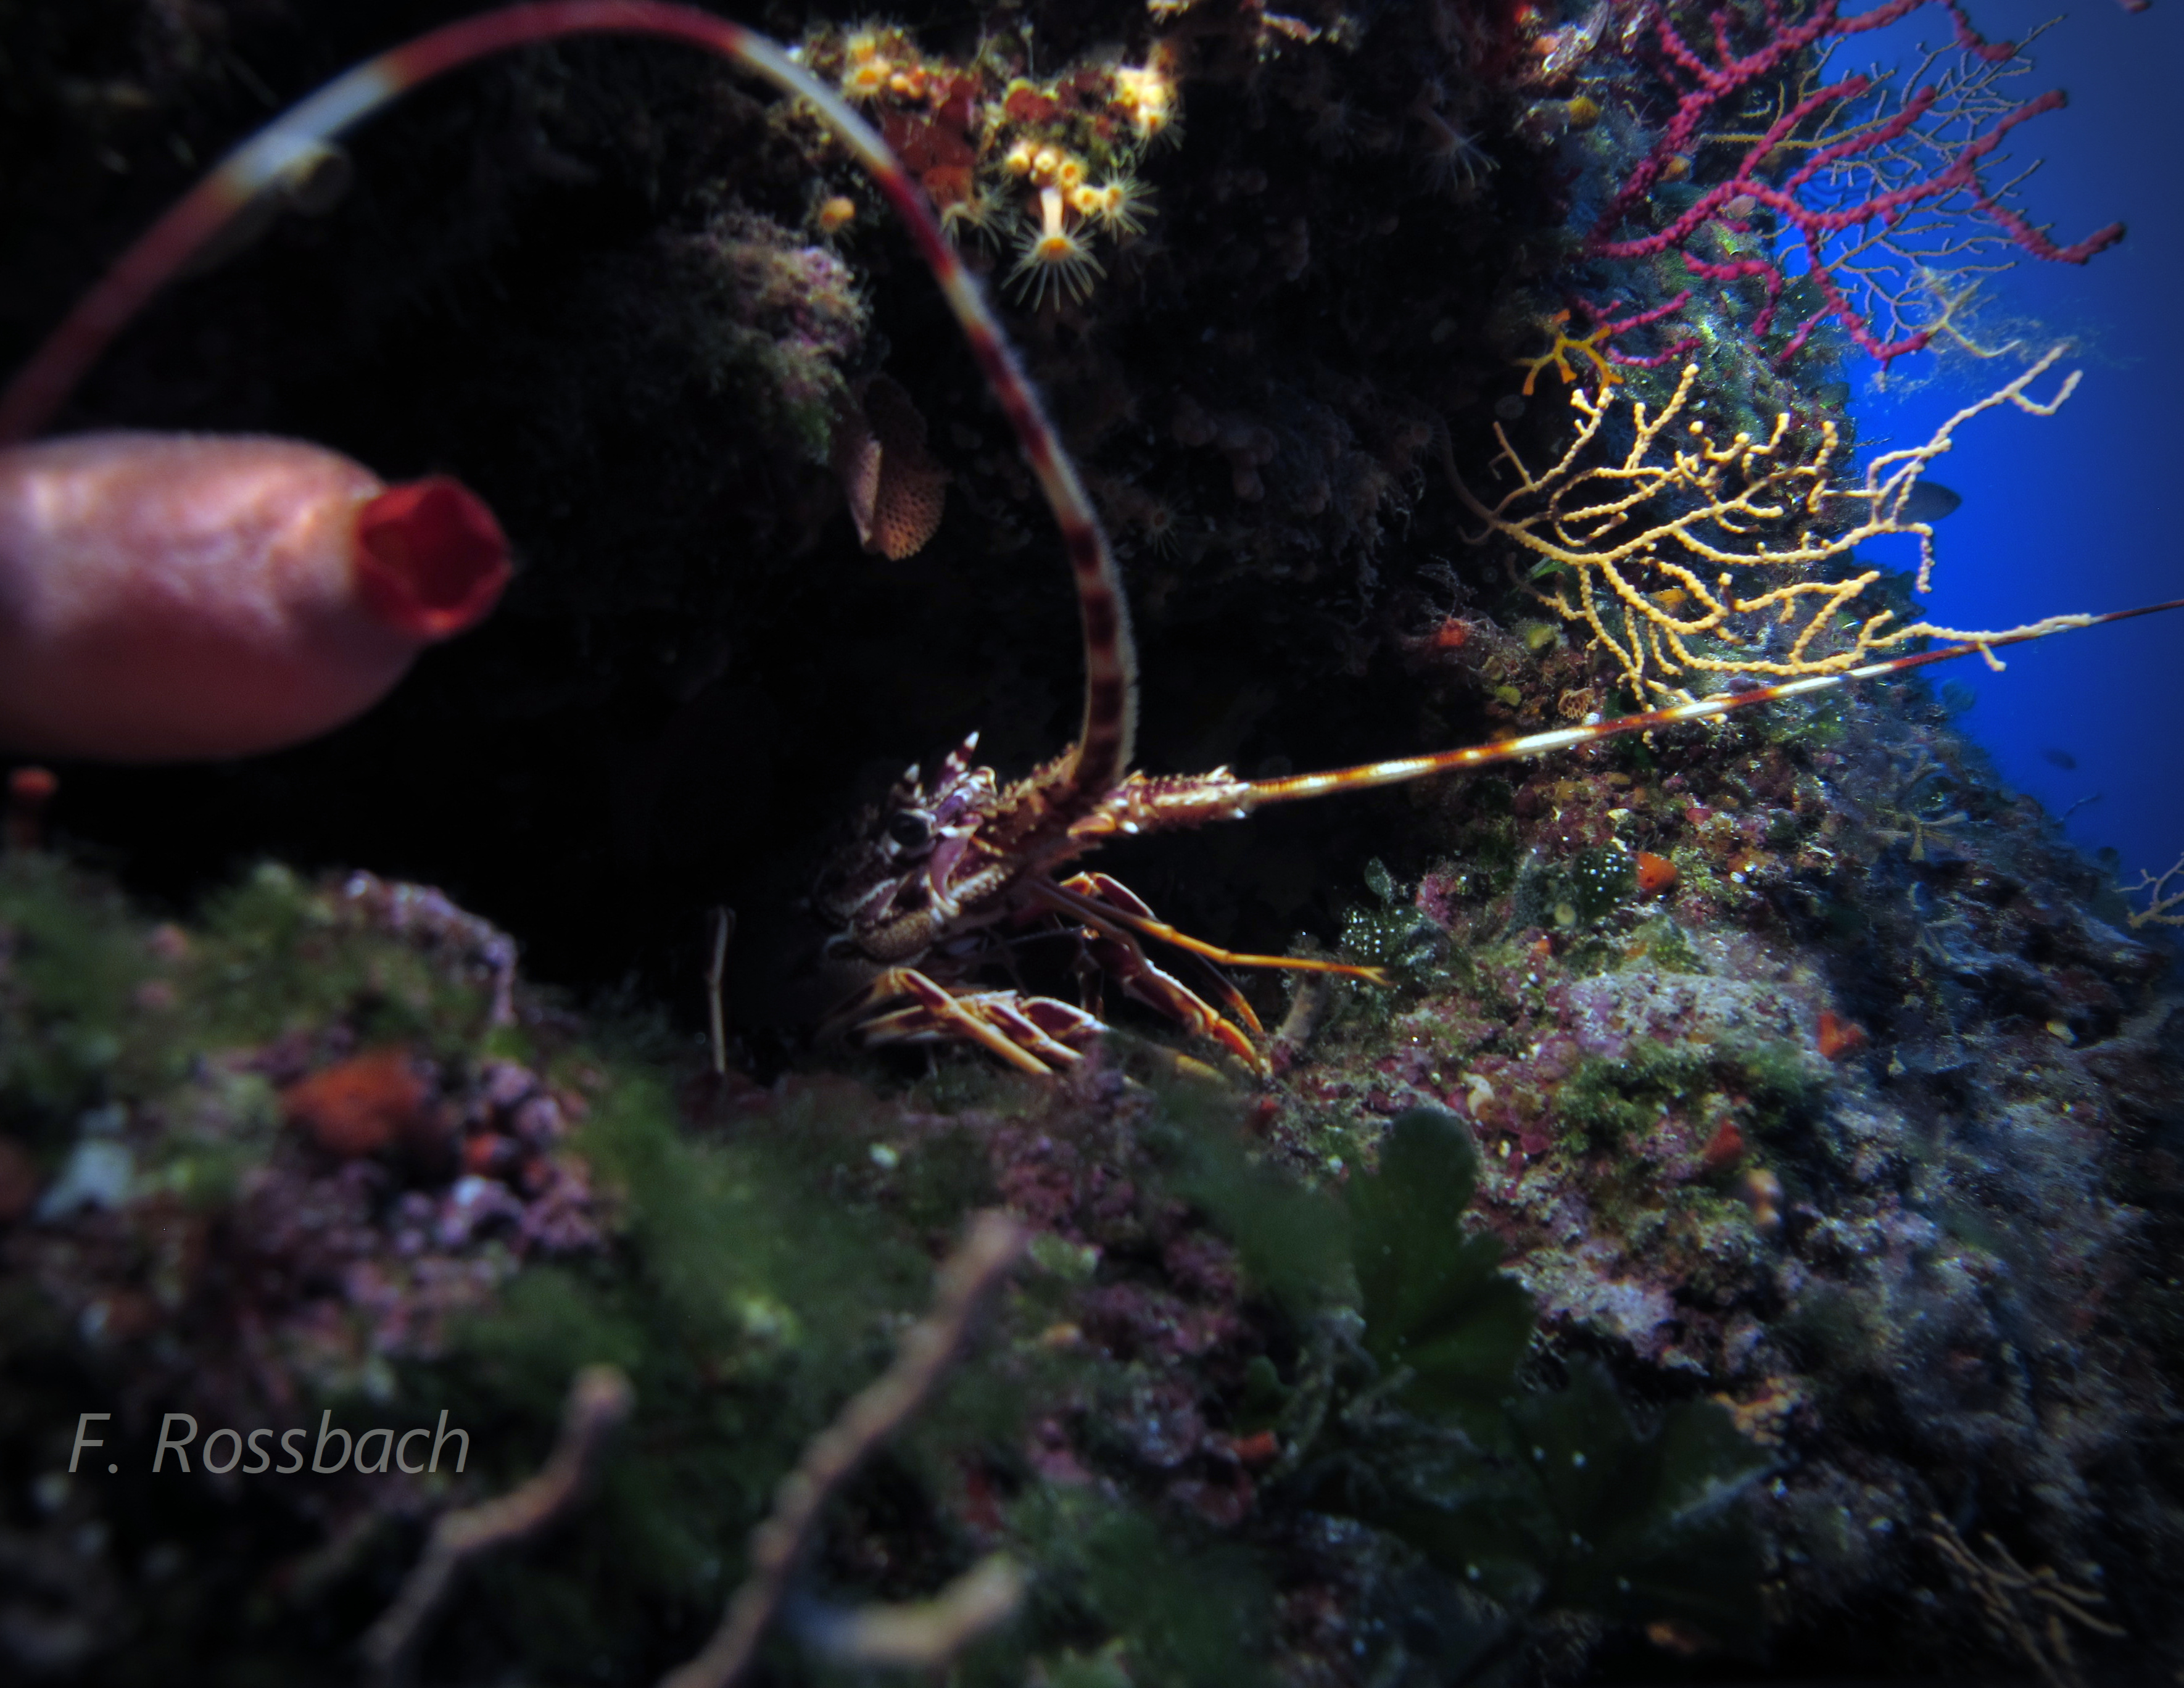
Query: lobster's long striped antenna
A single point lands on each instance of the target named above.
(1104, 748)
(1257, 793)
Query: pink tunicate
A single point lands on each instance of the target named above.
(165, 597)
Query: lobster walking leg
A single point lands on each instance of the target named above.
(1087, 893)
(1112, 912)
(1032, 1033)
(1040, 1033)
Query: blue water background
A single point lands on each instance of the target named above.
(2084, 510)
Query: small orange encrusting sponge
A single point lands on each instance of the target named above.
(363, 1106)
(166, 597)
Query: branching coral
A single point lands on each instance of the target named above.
(1876, 193)
(968, 1281)
(599, 1400)
(1592, 345)
(2025, 1609)
(1586, 345)
(1921, 811)
(2164, 907)
(1629, 542)
(1905, 278)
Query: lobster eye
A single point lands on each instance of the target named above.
(909, 827)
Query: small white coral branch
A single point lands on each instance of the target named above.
(967, 1280)
(600, 1398)
(2162, 905)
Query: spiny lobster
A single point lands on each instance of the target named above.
(920, 899)
(940, 866)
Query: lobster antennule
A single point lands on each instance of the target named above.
(1104, 746)
(1295, 788)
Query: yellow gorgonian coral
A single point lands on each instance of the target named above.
(1587, 347)
(1688, 553)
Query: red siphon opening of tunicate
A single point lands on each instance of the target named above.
(431, 559)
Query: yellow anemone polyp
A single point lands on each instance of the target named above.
(1055, 257)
